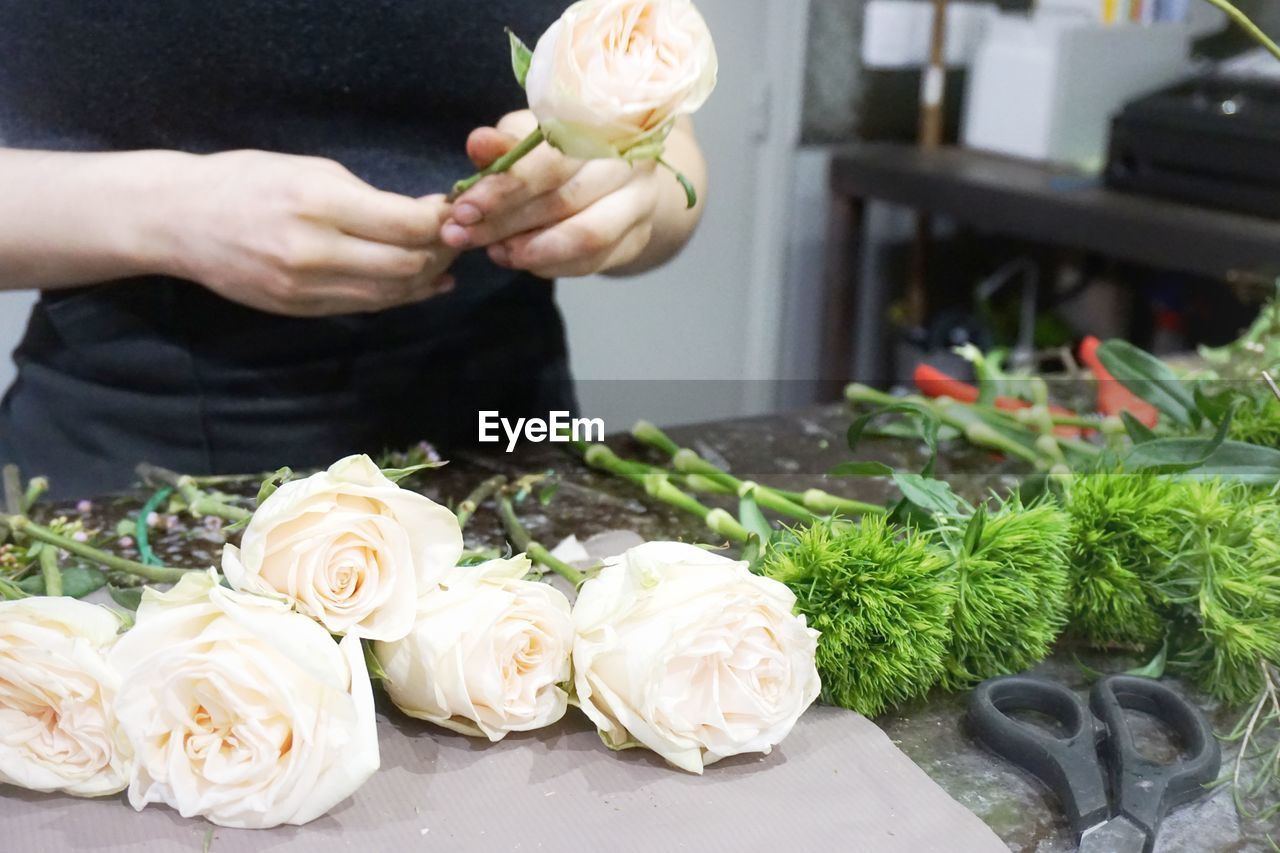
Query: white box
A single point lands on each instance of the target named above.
(1045, 88)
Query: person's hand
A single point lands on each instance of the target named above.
(300, 236)
(552, 215)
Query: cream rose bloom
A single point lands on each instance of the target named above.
(240, 710)
(349, 548)
(614, 75)
(488, 654)
(58, 730)
(689, 654)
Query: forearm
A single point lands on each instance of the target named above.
(70, 218)
(673, 222)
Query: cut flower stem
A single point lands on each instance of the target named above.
(534, 550)
(502, 164)
(20, 525)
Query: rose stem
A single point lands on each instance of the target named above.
(803, 506)
(36, 487)
(49, 569)
(199, 502)
(502, 164)
(522, 541)
(482, 493)
(658, 486)
(23, 526)
(12, 489)
(10, 591)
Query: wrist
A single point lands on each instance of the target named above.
(143, 231)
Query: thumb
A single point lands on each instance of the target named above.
(486, 144)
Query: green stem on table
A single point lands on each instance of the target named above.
(199, 502)
(36, 487)
(49, 569)
(1243, 21)
(23, 526)
(691, 464)
(534, 550)
(658, 486)
(478, 496)
(12, 480)
(502, 164)
(10, 591)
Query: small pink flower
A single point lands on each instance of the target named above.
(84, 507)
(125, 541)
(80, 536)
(153, 519)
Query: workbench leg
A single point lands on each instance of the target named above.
(840, 290)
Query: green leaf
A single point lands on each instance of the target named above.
(753, 553)
(1233, 460)
(548, 493)
(1151, 379)
(1176, 455)
(521, 58)
(690, 192)
(932, 496)
(275, 481)
(750, 516)
(1155, 667)
(395, 475)
(973, 533)
(861, 469)
(1139, 433)
(371, 662)
(929, 425)
(128, 597)
(77, 582)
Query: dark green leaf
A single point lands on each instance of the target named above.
(753, 552)
(750, 517)
(690, 192)
(521, 58)
(1151, 379)
(1139, 432)
(1155, 667)
(1176, 455)
(548, 493)
(395, 475)
(932, 496)
(77, 582)
(861, 469)
(128, 597)
(1215, 406)
(275, 481)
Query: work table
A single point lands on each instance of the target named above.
(792, 451)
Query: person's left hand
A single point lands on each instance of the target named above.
(552, 215)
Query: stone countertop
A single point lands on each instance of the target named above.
(789, 451)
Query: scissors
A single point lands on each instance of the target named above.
(1082, 766)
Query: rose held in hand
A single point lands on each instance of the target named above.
(488, 655)
(349, 548)
(689, 654)
(58, 730)
(240, 710)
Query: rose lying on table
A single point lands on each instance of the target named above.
(240, 707)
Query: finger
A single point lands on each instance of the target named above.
(586, 235)
(624, 252)
(519, 124)
(362, 211)
(352, 256)
(538, 172)
(327, 295)
(593, 182)
(486, 144)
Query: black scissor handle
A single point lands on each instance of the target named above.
(1144, 790)
(1068, 765)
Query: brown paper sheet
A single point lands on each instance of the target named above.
(837, 783)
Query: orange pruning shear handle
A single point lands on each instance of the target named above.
(1113, 397)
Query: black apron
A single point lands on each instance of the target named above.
(165, 371)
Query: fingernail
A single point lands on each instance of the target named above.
(467, 214)
(444, 284)
(499, 255)
(454, 235)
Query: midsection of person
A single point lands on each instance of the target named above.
(267, 273)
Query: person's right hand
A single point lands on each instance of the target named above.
(300, 236)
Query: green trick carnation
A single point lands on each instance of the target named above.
(1121, 526)
(1012, 585)
(878, 594)
(1223, 573)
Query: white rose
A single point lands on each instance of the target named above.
(689, 654)
(488, 654)
(614, 75)
(240, 710)
(348, 547)
(57, 726)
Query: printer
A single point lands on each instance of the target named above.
(1213, 140)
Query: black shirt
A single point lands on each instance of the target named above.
(166, 371)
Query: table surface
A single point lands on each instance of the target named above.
(794, 451)
(1059, 206)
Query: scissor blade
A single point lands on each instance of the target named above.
(1117, 835)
